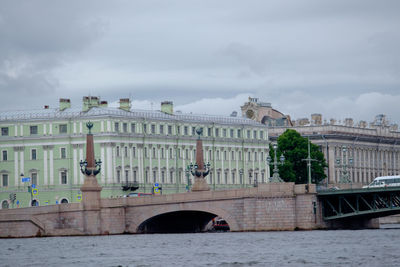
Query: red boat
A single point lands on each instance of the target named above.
(221, 225)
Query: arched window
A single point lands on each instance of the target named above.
(4, 204)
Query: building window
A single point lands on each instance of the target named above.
(125, 127)
(225, 157)
(154, 152)
(240, 155)
(126, 176)
(133, 128)
(248, 133)
(33, 129)
(193, 130)
(224, 132)
(231, 133)
(4, 204)
(239, 133)
(185, 130)
(209, 155)
(178, 130)
(161, 129)
(4, 154)
(209, 131)
(255, 156)
(162, 152)
(261, 135)
(118, 176)
(4, 131)
(144, 128)
(255, 134)
(64, 177)
(117, 151)
(154, 176)
(134, 176)
(153, 128)
(187, 154)
(171, 177)
(63, 153)
(216, 132)
(233, 177)
(169, 129)
(162, 177)
(171, 155)
(126, 151)
(146, 176)
(4, 180)
(134, 152)
(248, 156)
(33, 154)
(145, 152)
(233, 155)
(116, 127)
(226, 178)
(34, 178)
(62, 128)
(218, 178)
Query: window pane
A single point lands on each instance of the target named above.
(4, 131)
(63, 128)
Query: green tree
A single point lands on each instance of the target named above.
(294, 147)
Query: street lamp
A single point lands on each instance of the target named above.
(344, 163)
(275, 177)
(188, 168)
(309, 159)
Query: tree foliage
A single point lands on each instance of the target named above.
(294, 147)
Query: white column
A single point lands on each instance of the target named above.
(114, 164)
(109, 164)
(74, 127)
(167, 155)
(21, 163)
(102, 126)
(159, 165)
(230, 166)
(81, 178)
(16, 172)
(50, 129)
(80, 127)
(75, 159)
(44, 129)
(45, 168)
(130, 163)
(15, 130)
(21, 130)
(108, 126)
(140, 164)
(122, 151)
(51, 167)
(102, 158)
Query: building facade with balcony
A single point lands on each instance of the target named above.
(138, 148)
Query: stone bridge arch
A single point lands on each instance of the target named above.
(140, 215)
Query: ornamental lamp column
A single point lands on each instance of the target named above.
(90, 168)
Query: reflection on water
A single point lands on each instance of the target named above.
(305, 248)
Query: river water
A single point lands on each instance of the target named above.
(299, 248)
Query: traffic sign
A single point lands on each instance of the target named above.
(26, 179)
(17, 202)
(79, 197)
(35, 192)
(156, 185)
(33, 186)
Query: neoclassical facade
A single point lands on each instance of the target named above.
(135, 146)
(364, 152)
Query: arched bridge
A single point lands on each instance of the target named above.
(280, 206)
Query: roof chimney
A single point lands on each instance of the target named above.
(103, 104)
(125, 104)
(89, 102)
(64, 103)
(167, 107)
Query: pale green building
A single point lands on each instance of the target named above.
(138, 148)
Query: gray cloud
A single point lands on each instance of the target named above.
(336, 58)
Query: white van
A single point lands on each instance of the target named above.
(384, 181)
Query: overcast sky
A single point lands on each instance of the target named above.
(338, 58)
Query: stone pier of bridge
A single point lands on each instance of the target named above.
(268, 207)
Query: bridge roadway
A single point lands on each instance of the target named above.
(280, 206)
